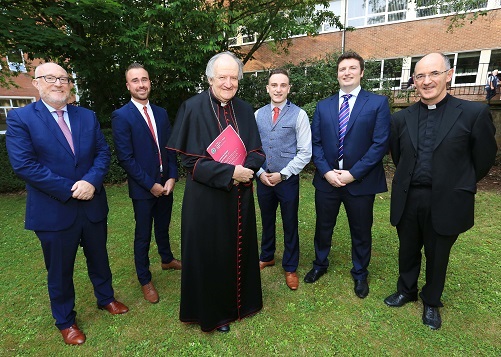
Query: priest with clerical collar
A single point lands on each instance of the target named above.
(220, 279)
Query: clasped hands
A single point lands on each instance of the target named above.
(339, 178)
(242, 174)
(83, 190)
(158, 190)
(270, 178)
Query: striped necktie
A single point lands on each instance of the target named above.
(344, 116)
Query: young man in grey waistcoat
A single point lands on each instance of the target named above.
(286, 136)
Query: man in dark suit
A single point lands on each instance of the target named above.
(441, 146)
(61, 153)
(140, 132)
(350, 132)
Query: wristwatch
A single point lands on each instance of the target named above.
(283, 177)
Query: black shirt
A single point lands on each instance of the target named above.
(428, 124)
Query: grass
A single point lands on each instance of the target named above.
(320, 319)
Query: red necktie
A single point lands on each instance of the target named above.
(64, 128)
(150, 125)
(276, 112)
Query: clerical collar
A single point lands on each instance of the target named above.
(437, 105)
(217, 101)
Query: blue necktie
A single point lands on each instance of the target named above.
(344, 116)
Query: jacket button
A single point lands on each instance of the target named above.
(405, 191)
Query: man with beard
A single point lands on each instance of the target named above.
(220, 279)
(61, 153)
(140, 132)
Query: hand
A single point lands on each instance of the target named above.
(83, 190)
(265, 178)
(169, 186)
(333, 178)
(157, 190)
(344, 176)
(242, 174)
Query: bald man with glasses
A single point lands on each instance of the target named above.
(441, 146)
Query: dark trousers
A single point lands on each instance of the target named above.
(415, 230)
(59, 250)
(157, 212)
(359, 210)
(287, 194)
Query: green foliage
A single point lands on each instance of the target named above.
(9, 182)
(97, 40)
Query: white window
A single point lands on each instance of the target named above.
(15, 60)
(371, 12)
(426, 8)
(8, 103)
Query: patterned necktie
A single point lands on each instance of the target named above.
(64, 128)
(150, 125)
(344, 116)
(276, 112)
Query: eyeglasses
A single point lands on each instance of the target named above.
(433, 75)
(52, 79)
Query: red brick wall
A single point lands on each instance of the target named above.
(412, 38)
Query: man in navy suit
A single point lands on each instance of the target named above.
(140, 133)
(350, 132)
(441, 146)
(61, 153)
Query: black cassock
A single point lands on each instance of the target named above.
(220, 278)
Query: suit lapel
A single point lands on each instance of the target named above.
(362, 98)
(334, 109)
(449, 117)
(412, 120)
(47, 118)
(140, 119)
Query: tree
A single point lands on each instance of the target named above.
(97, 40)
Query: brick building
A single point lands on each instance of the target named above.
(397, 33)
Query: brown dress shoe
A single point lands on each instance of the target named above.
(115, 308)
(150, 293)
(174, 265)
(263, 265)
(292, 280)
(73, 335)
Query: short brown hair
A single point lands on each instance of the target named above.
(351, 55)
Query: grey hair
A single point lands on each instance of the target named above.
(209, 71)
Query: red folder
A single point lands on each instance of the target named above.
(228, 148)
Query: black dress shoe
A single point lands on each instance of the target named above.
(224, 329)
(361, 288)
(313, 275)
(431, 317)
(397, 300)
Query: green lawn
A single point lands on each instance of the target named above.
(320, 319)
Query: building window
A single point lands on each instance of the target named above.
(372, 12)
(7, 104)
(335, 7)
(426, 8)
(466, 68)
(386, 73)
(15, 60)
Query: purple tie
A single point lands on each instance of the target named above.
(344, 116)
(64, 128)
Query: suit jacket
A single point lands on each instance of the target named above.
(41, 156)
(464, 152)
(365, 142)
(137, 151)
